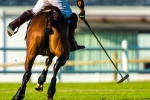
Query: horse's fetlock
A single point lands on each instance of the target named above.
(20, 94)
(42, 77)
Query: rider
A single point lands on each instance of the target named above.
(65, 10)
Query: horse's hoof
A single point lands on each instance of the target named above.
(16, 98)
(39, 87)
(49, 98)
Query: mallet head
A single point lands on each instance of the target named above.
(124, 78)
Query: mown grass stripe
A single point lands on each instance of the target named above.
(82, 91)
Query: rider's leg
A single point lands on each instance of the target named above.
(72, 27)
(27, 15)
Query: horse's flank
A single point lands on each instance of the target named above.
(44, 44)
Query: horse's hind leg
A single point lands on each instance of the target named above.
(42, 77)
(21, 91)
(52, 88)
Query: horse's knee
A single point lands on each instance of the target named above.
(60, 62)
(62, 59)
(29, 62)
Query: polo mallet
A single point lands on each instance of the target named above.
(123, 78)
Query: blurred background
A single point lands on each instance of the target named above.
(122, 26)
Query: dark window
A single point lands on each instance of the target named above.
(147, 66)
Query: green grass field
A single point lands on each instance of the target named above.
(82, 91)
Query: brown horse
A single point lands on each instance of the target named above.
(39, 43)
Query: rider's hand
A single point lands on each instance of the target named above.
(82, 15)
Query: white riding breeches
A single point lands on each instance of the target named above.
(61, 4)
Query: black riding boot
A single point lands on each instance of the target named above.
(73, 44)
(27, 15)
(72, 26)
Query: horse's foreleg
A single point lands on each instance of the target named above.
(52, 88)
(42, 77)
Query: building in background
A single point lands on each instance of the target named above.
(87, 2)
